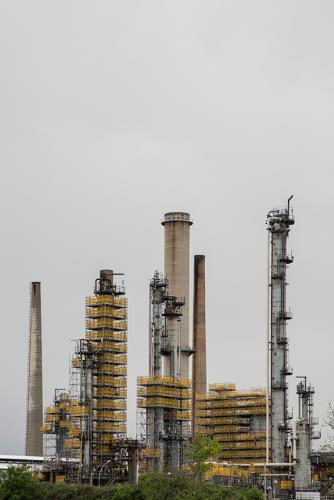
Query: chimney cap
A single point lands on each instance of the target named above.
(177, 217)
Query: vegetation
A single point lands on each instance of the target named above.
(203, 449)
(17, 483)
(329, 445)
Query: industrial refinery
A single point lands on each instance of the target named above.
(85, 428)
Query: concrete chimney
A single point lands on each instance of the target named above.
(199, 334)
(177, 235)
(34, 437)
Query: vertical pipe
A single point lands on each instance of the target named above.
(177, 235)
(278, 224)
(34, 437)
(268, 333)
(199, 335)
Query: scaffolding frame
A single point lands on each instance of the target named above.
(236, 419)
(164, 397)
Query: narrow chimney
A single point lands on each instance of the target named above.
(199, 335)
(34, 437)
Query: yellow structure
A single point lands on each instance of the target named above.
(236, 419)
(88, 422)
(168, 400)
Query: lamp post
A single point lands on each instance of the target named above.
(103, 465)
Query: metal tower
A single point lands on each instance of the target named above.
(164, 395)
(304, 435)
(279, 222)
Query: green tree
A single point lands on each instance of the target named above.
(329, 421)
(202, 450)
(18, 483)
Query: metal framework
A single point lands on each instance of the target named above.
(164, 398)
(305, 433)
(278, 223)
(91, 429)
(236, 419)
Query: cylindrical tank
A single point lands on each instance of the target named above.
(34, 437)
(177, 236)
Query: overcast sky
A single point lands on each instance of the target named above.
(113, 112)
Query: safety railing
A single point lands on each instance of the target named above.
(236, 403)
(64, 423)
(114, 358)
(72, 443)
(111, 346)
(110, 368)
(156, 391)
(112, 312)
(114, 382)
(108, 426)
(243, 436)
(164, 403)
(258, 410)
(78, 411)
(108, 335)
(183, 415)
(240, 453)
(110, 415)
(46, 428)
(108, 300)
(223, 420)
(73, 432)
(222, 387)
(104, 403)
(164, 381)
(112, 404)
(100, 323)
(51, 418)
(151, 452)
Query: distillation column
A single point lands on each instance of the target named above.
(164, 394)
(34, 437)
(304, 436)
(177, 234)
(199, 336)
(279, 222)
(155, 415)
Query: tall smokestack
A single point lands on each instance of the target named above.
(34, 438)
(199, 334)
(177, 235)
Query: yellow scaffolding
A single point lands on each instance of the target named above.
(227, 386)
(109, 426)
(102, 414)
(72, 443)
(151, 452)
(164, 381)
(164, 403)
(110, 404)
(107, 334)
(226, 414)
(114, 358)
(101, 323)
(111, 346)
(164, 391)
(112, 312)
(249, 455)
(103, 300)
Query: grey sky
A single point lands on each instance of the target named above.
(113, 113)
